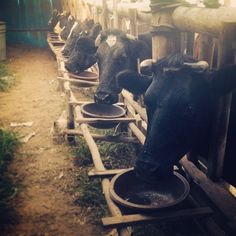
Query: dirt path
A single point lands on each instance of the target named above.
(44, 170)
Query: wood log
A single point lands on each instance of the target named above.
(90, 142)
(222, 112)
(141, 111)
(224, 201)
(202, 20)
(106, 173)
(77, 81)
(136, 131)
(115, 211)
(105, 121)
(126, 220)
(107, 138)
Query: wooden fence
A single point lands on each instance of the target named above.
(174, 27)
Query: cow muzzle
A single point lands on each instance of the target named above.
(105, 98)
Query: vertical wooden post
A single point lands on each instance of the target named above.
(163, 40)
(115, 15)
(96, 14)
(133, 21)
(222, 112)
(104, 15)
(206, 49)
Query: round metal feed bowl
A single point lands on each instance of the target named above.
(85, 76)
(126, 190)
(94, 110)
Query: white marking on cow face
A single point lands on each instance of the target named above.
(74, 25)
(111, 40)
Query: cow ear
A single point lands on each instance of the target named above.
(223, 81)
(133, 82)
(137, 48)
(86, 46)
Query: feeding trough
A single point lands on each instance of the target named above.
(57, 44)
(101, 112)
(84, 79)
(128, 191)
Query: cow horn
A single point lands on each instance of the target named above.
(98, 40)
(198, 65)
(146, 67)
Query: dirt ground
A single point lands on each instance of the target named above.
(44, 171)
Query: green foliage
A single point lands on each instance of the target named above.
(91, 197)
(114, 155)
(82, 154)
(117, 155)
(6, 78)
(8, 145)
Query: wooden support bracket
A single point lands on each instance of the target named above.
(127, 220)
(101, 120)
(105, 173)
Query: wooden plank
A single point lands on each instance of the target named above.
(126, 220)
(103, 120)
(105, 173)
(76, 81)
(224, 201)
(140, 110)
(107, 138)
(209, 22)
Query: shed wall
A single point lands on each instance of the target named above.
(26, 20)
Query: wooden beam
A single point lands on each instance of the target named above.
(77, 81)
(105, 121)
(222, 107)
(140, 110)
(126, 220)
(224, 201)
(202, 20)
(107, 138)
(106, 173)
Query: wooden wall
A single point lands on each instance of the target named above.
(27, 20)
(78, 8)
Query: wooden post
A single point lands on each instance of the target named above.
(163, 40)
(104, 15)
(115, 15)
(133, 21)
(205, 47)
(222, 112)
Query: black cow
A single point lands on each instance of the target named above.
(79, 30)
(179, 100)
(53, 20)
(83, 58)
(67, 28)
(59, 19)
(63, 19)
(114, 51)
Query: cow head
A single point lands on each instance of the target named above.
(83, 55)
(178, 99)
(63, 19)
(78, 30)
(66, 30)
(116, 52)
(53, 20)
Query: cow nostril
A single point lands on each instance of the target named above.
(106, 98)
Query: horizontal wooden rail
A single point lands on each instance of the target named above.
(107, 138)
(127, 220)
(105, 121)
(79, 81)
